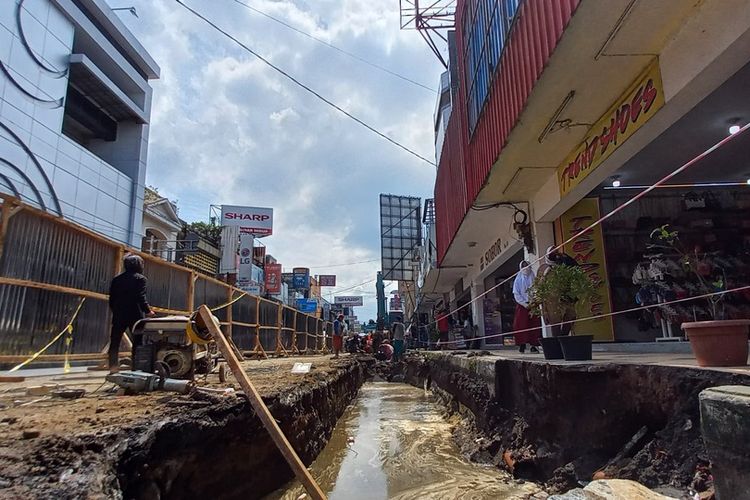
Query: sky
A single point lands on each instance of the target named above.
(226, 129)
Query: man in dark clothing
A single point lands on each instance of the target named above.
(127, 300)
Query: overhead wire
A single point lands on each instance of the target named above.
(334, 47)
(302, 85)
(346, 264)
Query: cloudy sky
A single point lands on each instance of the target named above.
(226, 129)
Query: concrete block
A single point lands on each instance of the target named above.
(725, 424)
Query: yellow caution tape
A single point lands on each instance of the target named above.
(218, 308)
(68, 329)
(68, 342)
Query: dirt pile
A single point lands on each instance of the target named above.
(561, 424)
(169, 446)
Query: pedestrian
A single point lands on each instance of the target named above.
(444, 326)
(338, 335)
(385, 351)
(398, 339)
(527, 328)
(127, 301)
(468, 331)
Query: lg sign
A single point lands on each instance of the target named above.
(251, 220)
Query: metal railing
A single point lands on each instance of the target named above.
(47, 264)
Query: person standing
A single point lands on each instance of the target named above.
(444, 326)
(127, 301)
(398, 339)
(338, 335)
(527, 328)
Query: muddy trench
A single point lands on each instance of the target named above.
(561, 424)
(212, 447)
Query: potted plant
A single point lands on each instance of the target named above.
(716, 341)
(555, 295)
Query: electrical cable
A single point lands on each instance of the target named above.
(344, 265)
(302, 85)
(601, 219)
(330, 45)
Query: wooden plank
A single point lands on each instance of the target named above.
(246, 325)
(299, 469)
(96, 356)
(53, 288)
(230, 297)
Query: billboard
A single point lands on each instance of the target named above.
(349, 300)
(273, 278)
(307, 305)
(245, 268)
(301, 278)
(327, 280)
(288, 279)
(400, 234)
(251, 220)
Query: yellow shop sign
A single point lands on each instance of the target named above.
(588, 251)
(641, 101)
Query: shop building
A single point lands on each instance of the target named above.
(75, 106)
(555, 102)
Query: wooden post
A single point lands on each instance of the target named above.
(191, 291)
(295, 350)
(230, 297)
(299, 469)
(280, 321)
(258, 349)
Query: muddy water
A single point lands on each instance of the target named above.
(392, 443)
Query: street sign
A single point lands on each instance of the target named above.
(327, 280)
(301, 278)
(307, 305)
(349, 300)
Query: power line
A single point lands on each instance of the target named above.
(339, 49)
(344, 265)
(302, 85)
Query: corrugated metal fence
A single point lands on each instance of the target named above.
(48, 264)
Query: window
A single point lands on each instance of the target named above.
(486, 24)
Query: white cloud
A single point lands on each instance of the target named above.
(226, 128)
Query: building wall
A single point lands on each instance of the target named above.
(524, 51)
(39, 163)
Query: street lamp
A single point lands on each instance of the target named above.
(129, 9)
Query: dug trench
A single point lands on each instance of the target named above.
(560, 424)
(167, 446)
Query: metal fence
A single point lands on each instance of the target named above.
(48, 264)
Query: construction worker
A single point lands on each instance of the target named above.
(127, 300)
(398, 339)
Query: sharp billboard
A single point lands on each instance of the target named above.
(257, 221)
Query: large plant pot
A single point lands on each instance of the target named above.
(576, 347)
(718, 343)
(551, 348)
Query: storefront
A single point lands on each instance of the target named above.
(705, 213)
(499, 304)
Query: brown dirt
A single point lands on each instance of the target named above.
(166, 445)
(560, 424)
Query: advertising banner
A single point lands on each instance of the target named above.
(301, 278)
(253, 289)
(273, 278)
(635, 107)
(349, 300)
(327, 280)
(251, 220)
(588, 251)
(309, 306)
(245, 267)
(288, 279)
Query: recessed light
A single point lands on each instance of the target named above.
(734, 129)
(748, 182)
(616, 181)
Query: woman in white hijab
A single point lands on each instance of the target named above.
(528, 327)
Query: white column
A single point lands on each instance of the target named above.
(477, 308)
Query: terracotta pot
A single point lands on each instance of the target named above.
(719, 343)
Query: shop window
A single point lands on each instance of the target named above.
(485, 29)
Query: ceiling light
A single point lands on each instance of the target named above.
(748, 181)
(616, 181)
(734, 129)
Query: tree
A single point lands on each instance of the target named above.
(208, 231)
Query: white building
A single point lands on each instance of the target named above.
(161, 226)
(75, 104)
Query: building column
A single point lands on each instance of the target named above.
(544, 237)
(477, 308)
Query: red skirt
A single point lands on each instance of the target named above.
(338, 342)
(531, 326)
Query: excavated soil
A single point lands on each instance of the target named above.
(561, 424)
(164, 445)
